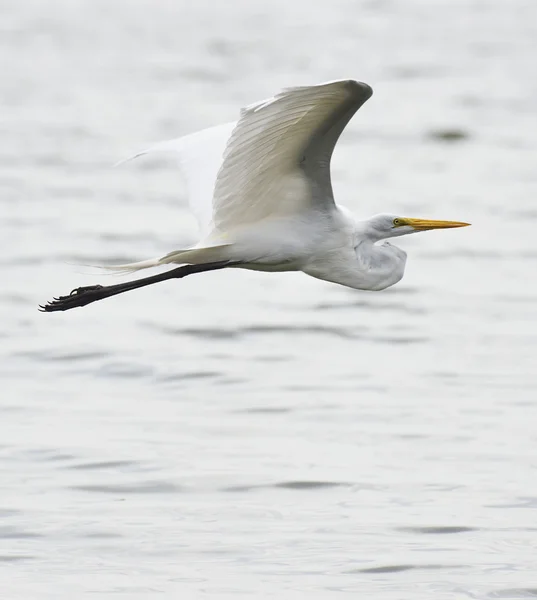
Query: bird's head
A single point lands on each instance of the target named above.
(387, 226)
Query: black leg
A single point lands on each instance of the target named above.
(86, 295)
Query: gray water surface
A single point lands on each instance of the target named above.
(240, 434)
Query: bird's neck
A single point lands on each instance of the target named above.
(384, 263)
(364, 233)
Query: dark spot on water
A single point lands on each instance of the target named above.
(12, 533)
(309, 485)
(112, 464)
(437, 529)
(241, 488)
(387, 569)
(521, 502)
(210, 334)
(400, 568)
(15, 557)
(448, 135)
(45, 355)
(151, 487)
(190, 375)
(515, 593)
(288, 485)
(77, 356)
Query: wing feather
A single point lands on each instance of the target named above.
(274, 161)
(200, 157)
(277, 160)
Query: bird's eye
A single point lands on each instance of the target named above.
(397, 222)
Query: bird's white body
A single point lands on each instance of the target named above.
(261, 191)
(325, 245)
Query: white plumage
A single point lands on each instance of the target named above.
(261, 191)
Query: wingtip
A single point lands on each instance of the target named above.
(128, 159)
(363, 87)
(354, 86)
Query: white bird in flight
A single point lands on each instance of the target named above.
(261, 191)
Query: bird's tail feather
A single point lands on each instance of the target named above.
(192, 256)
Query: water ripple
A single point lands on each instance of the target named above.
(288, 485)
(448, 135)
(147, 487)
(400, 568)
(237, 332)
(13, 533)
(515, 593)
(11, 558)
(188, 375)
(265, 410)
(440, 529)
(112, 464)
(310, 485)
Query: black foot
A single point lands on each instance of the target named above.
(86, 295)
(78, 297)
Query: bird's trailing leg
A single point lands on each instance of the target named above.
(86, 295)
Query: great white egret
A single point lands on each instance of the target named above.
(262, 194)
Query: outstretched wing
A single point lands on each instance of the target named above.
(200, 157)
(274, 160)
(277, 160)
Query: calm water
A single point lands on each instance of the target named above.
(268, 436)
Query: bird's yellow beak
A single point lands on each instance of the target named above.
(425, 224)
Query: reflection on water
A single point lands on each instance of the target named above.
(269, 435)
